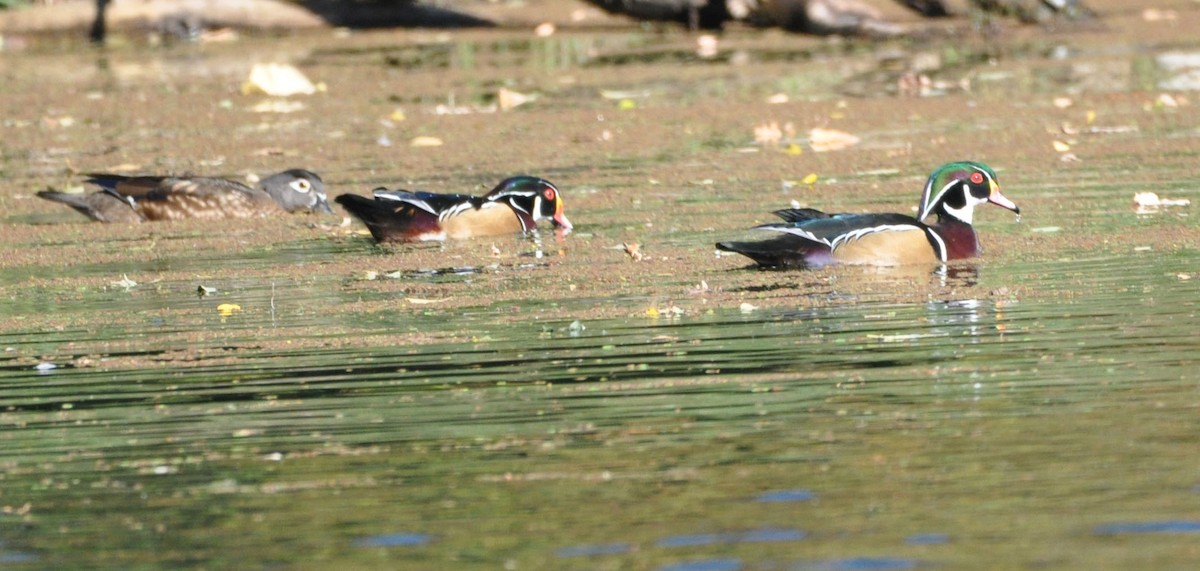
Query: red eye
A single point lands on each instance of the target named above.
(548, 193)
(976, 178)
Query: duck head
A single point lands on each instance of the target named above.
(537, 197)
(298, 190)
(955, 189)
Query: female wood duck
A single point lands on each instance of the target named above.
(141, 198)
(811, 238)
(515, 205)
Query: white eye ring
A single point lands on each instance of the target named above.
(301, 186)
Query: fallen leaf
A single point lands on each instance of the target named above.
(510, 99)
(634, 250)
(768, 133)
(823, 140)
(227, 309)
(1061, 146)
(426, 142)
(420, 301)
(278, 80)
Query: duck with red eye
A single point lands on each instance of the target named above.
(811, 238)
(513, 206)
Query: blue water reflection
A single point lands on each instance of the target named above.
(1169, 526)
(855, 564)
(401, 539)
(786, 496)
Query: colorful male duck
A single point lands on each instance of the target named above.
(811, 238)
(515, 205)
(141, 198)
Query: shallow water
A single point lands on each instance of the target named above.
(553, 404)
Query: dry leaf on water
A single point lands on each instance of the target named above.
(634, 250)
(823, 140)
(510, 99)
(277, 80)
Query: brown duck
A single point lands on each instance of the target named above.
(140, 198)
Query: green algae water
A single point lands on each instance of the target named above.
(284, 394)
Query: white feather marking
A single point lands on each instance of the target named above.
(859, 233)
(405, 199)
(798, 232)
(941, 245)
(458, 209)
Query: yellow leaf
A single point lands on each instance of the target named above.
(810, 179)
(793, 149)
(626, 104)
(227, 309)
(652, 313)
(1061, 146)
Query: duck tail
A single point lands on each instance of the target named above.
(784, 252)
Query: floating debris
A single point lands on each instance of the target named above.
(509, 99)
(277, 80)
(45, 367)
(426, 142)
(227, 309)
(125, 283)
(420, 301)
(823, 140)
(634, 250)
(1148, 202)
(203, 290)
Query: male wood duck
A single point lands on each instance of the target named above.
(811, 238)
(141, 198)
(515, 205)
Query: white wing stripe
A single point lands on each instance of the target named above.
(401, 198)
